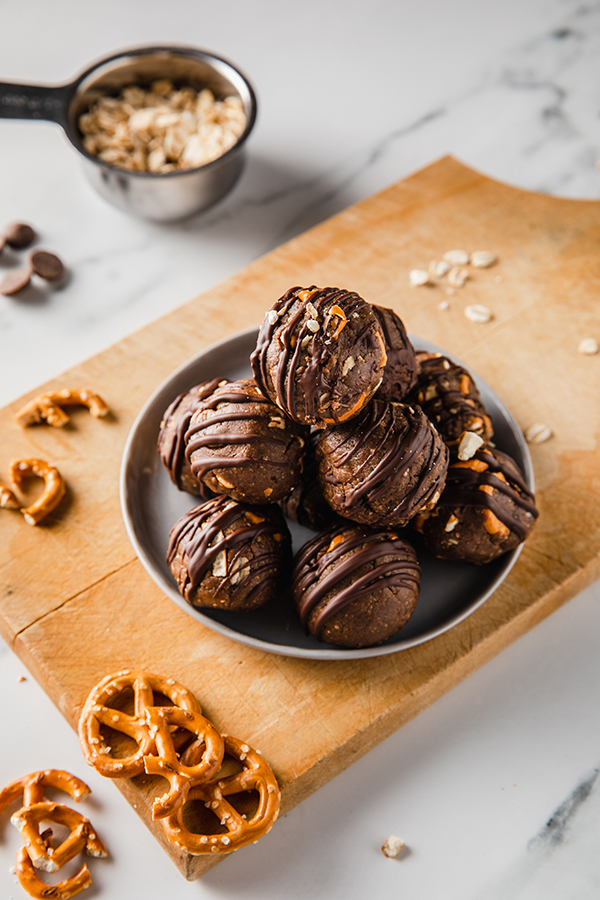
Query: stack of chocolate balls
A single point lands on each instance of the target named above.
(348, 431)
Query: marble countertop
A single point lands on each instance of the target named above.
(494, 787)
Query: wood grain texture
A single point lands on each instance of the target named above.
(72, 592)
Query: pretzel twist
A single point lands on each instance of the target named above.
(256, 775)
(96, 713)
(31, 787)
(48, 407)
(181, 776)
(54, 487)
(81, 835)
(35, 887)
(8, 499)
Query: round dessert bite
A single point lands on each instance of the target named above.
(320, 355)
(354, 587)
(449, 397)
(485, 510)
(238, 443)
(400, 373)
(228, 555)
(171, 437)
(383, 467)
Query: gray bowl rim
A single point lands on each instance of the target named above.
(327, 653)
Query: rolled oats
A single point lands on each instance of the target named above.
(162, 128)
(588, 346)
(483, 259)
(538, 433)
(457, 276)
(439, 267)
(477, 312)
(418, 277)
(457, 257)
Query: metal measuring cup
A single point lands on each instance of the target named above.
(161, 197)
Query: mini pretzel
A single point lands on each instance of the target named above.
(54, 489)
(81, 836)
(48, 407)
(256, 775)
(8, 500)
(96, 713)
(181, 776)
(32, 787)
(35, 887)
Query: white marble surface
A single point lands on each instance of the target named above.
(494, 788)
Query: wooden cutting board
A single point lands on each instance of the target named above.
(75, 604)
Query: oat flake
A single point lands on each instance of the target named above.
(538, 433)
(478, 313)
(588, 346)
(418, 277)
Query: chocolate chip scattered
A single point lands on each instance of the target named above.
(46, 265)
(14, 281)
(19, 235)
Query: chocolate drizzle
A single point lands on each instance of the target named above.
(171, 442)
(237, 402)
(464, 483)
(335, 557)
(380, 451)
(309, 363)
(224, 525)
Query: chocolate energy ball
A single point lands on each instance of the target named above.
(320, 355)
(383, 467)
(354, 587)
(228, 555)
(485, 509)
(400, 373)
(240, 444)
(171, 437)
(449, 397)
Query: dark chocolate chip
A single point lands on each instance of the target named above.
(14, 281)
(46, 265)
(19, 235)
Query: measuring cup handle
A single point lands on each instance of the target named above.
(32, 101)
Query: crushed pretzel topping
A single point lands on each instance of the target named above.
(392, 847)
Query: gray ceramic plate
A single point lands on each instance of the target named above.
(151, 504)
